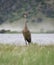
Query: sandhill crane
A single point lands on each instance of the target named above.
(26, 32)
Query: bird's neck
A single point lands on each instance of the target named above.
(25, 26)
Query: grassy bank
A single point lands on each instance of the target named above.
(26, 55)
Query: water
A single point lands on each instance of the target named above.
(18, 39)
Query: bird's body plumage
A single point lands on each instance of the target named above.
(27, 35)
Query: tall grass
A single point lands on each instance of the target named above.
(26, 55)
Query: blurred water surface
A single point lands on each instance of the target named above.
(19, 40)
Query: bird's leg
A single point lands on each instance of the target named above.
(26, 42)
(29, 43)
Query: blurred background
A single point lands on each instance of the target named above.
(40, 15)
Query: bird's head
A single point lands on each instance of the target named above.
(25, 14)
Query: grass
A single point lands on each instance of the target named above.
(26, 55)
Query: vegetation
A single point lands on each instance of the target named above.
(13, 10)
(26, 55)
(8, 31)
